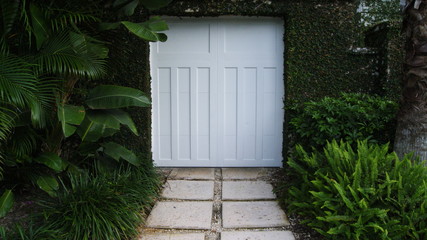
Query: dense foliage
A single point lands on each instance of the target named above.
(359, 193)
(96, 205)
(350, 117)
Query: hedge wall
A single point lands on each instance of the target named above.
(320, 36)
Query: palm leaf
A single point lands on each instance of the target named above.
(68, 54)
(64, 19)
(17, 81)
(110, 96)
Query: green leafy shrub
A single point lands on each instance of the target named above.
(365, 193)
(352, 117)
(102, 206)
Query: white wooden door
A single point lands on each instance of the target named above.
(217, 88)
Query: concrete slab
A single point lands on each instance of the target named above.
(173, 236)
(253, 215)
(240, 173)
(188, 190)
(274, 235)
(181, 215)
(247, 190)
(193, 173)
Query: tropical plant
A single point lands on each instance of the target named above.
(129, 191)
(359, 193)
(352, 117)
(46, 47)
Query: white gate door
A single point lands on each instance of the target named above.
(217, 88)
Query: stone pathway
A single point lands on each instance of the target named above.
(217, 204)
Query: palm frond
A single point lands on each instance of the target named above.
(9, 12)
(21, 143)
(66, 54)
(17, 81)
(7, 119)
(64, 19)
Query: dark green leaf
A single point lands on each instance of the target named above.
(118, 152)
(48, 184)
(51, 160)
(40, 28)
(6, 202)
(70, 115)
(128, 9)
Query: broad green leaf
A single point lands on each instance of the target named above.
(48, 184)
(155, 4)
(141, 30)
(111, 96)
(103, 117)
(51, 160)
(6, 202)
(117, 152)
(90, 131)
(112, 118)
(157, 24)
(128, 9)
(70, 115)
(40, 28)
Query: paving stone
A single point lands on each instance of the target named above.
(247, 190)
(173, 236)
(188, 190)
(193, 173)
(181, 215)
(240, 173)
(247, 235)
(253, 215)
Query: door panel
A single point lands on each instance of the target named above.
(217, 93)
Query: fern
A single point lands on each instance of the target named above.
(360, 193)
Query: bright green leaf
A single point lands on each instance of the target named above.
(110, 96)
(6, 202)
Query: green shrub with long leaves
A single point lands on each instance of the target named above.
(102, 206)
(351, 117)
(363, 192)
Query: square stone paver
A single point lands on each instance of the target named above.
(181, 215)
(173, 236)
(193, 173)
(241, 173)
(247, 190)
(274, 235)
(253, 215)
(188, 190)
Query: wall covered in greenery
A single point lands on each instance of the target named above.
(321, 39)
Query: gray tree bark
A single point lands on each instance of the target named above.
(411, 132)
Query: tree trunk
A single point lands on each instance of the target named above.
(411, 132)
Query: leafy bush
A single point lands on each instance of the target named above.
(104, 206)
(352, 117)
(365, 193)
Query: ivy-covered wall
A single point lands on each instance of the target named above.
(320, 39)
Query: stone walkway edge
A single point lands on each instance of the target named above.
(217, 204)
